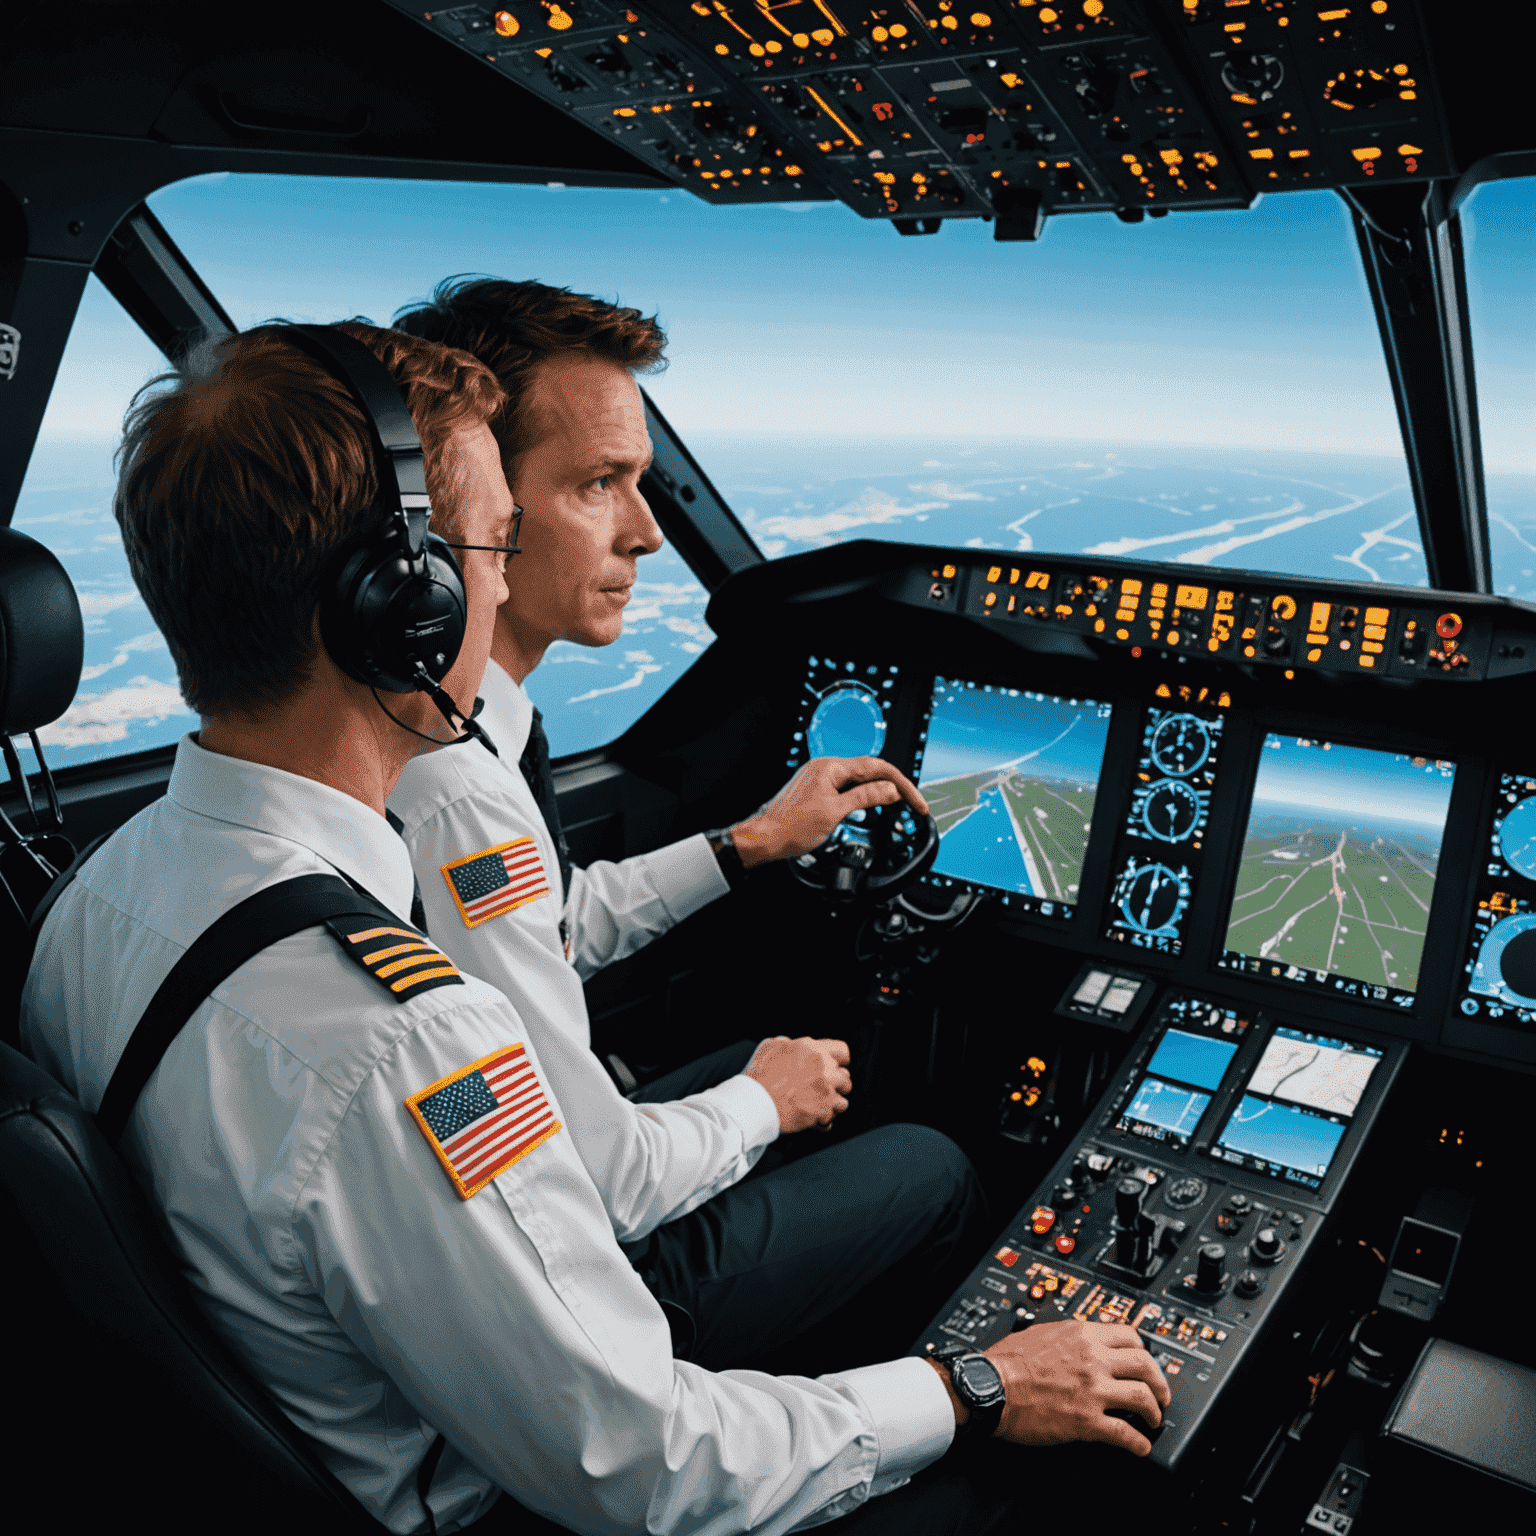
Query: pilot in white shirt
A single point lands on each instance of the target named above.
(377, 1191)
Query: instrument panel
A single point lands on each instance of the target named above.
(1129, 779)
(919, 109)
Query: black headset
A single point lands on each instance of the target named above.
(392, 603)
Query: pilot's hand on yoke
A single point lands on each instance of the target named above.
(1065, 1379)
(807, 1080)
(802, 815)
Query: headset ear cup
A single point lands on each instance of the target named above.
(381, 615)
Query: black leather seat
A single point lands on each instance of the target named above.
(130, 1408)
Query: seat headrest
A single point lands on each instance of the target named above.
(42, 640)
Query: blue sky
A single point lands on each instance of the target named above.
(1336, 782)
(972, 730)
(1245, 327)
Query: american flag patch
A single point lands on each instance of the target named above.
(496, 880)
(483, 1118)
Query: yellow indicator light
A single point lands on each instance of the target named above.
(918, 177)
(1284, 605)
(1159, 589)
(879, 35)
(1379, 6)
(707, 175)
(995, 573)
(719, 47)
(1122, 634)
(1338, 15)
(1319, 619)
(897, 30)
(559, 20)
(821, 102)
(1235, 26)
(1170, 157)
(543, 53)
(1262, 154)
(1401, 69)
(756, 50)
(1369, 153)
(949, 23)
(886, 178)
(1191, 597)
(990, 600)
(1163, 691)
(507, 25)
(1130, 587)
(1299, 154)
(1408, 95)
(1093, 7)
(699, 8)
(1377, 615)
(773, 45)
(623, 111)
(1012, 81)
(1047, 15)
(1015, 1097)
(949, 573)
(1039, 579)
(793, 170)
(1367, 661)
(980, 19)
(1290, 675)
(824, 36)
(1409, 149)
(1098, 626)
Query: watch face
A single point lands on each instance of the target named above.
(982, 1382)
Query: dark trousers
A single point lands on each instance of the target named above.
(814, 1260)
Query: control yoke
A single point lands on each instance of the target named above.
(848, 868)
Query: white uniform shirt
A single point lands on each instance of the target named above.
(333, 1252)
(464, 808)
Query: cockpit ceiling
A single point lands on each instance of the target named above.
(999, 109)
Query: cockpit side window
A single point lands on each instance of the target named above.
(1497, 222)
(128, 700)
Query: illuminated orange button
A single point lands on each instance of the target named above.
(1367, 661)
(1065, 1244)
(1313, 655)
(1042, 1221)
(1375, 632)
(1377, 615)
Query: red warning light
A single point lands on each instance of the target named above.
(1448, 626)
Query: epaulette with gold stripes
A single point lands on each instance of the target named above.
(401, 960)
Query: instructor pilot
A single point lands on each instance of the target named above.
(388, 1295)
(745, 1266)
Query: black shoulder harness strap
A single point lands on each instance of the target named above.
(398, 957)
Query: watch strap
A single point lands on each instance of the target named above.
(727, 856)
(985, 1410)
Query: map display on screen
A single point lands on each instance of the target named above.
(1011, 777)
(1338, 866)
(1297, 1105)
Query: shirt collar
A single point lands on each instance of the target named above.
(340, 830)
(508, 712)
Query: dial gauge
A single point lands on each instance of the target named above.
(847, 722)
(1151, 897)
(1515, 838)
(1506, 962)
(1180, 744)
(1170, 810)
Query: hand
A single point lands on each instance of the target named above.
(806, 1079)
(1063, 1379)
(802, 815)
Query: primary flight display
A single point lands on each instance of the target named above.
(1011, 777)
(1338, 866)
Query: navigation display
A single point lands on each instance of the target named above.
(1338, 868)
(842, 710)
(1297, 1105)
(1011, 778)
(1169, 1101)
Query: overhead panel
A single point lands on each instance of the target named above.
(912, 109)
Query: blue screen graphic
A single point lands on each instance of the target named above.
(1175, 1109)
(1283, 1134)
(1192, 1058)
(1011, 778)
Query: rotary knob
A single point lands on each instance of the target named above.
(1210, 1268)
(1266, 1247)
(1249, 1283)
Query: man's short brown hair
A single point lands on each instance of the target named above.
(513, 327)
(240, 481)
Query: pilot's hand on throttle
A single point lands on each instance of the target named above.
(802, 815)
(806, 1079)
(1064, 1379)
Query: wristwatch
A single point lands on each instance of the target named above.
(977, 1384)
(727, 857)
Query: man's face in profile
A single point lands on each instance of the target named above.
(586, 523)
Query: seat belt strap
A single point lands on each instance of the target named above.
(219, 951)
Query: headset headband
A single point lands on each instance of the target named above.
(398, 456)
